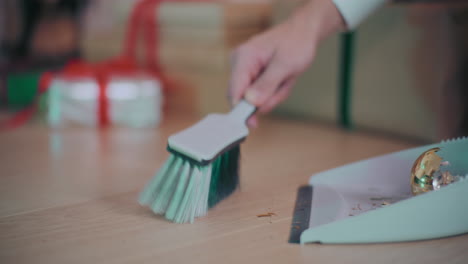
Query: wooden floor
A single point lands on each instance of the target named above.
(70, 196)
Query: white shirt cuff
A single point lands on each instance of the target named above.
(355, 11)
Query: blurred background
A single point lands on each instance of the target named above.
(128, 62)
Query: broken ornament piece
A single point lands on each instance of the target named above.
(427, 174)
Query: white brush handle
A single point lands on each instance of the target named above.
(242, 111)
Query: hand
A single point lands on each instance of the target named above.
(265, 68)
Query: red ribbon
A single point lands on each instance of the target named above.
(142, 18)
(103, 103)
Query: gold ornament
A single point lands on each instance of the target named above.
(426, 174)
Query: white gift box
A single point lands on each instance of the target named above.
(131, 101)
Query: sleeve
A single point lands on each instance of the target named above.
(355, 11)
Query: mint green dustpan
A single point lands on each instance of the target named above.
(370, 201)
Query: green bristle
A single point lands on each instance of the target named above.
(184, 183)
(184, 189)
(166, 190)
(224, 176)
(147, 196)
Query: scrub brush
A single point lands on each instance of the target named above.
(203, 167)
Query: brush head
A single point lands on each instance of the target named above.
(183, 190)
(212, 136)
(203, 169)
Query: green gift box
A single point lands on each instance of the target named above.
(21, 89)
(392, 75)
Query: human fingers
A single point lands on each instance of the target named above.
(281, 94)
(253, 121)
(246, 66)
(266, 85)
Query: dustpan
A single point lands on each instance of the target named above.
(371, 202)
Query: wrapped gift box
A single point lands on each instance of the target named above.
(129, 101)
(195, 40)
(181, 26)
